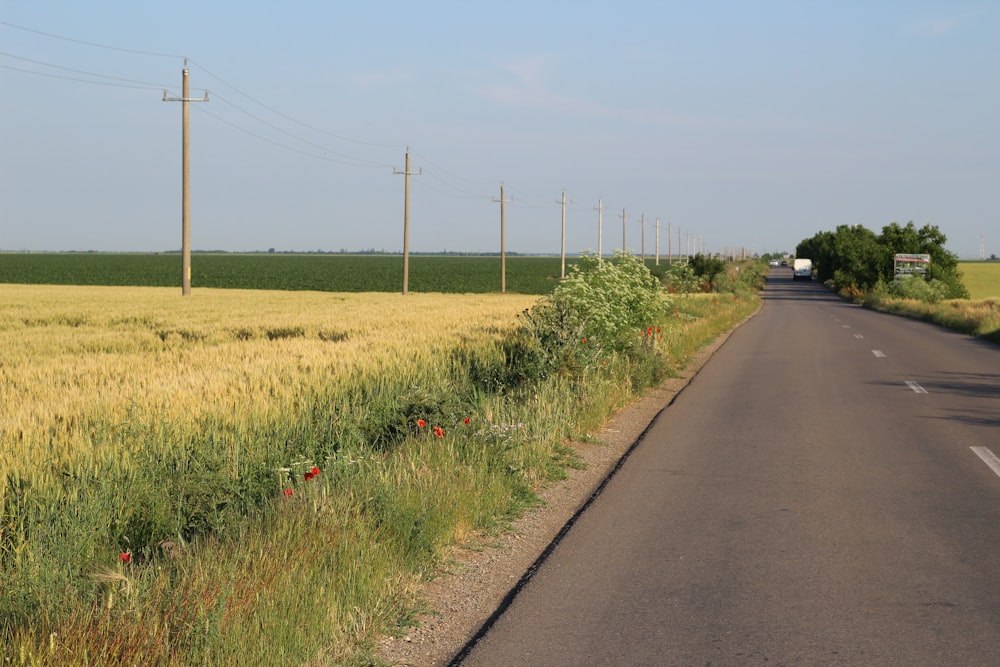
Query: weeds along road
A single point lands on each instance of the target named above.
(820, 494)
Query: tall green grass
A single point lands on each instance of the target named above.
(980, 318)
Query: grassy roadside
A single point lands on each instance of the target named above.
(344, 512)
(980, 318)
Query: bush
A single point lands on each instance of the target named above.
(681, 279)
(914, 287)
(601, 306)
(708, 269)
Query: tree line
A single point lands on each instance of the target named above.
(858, 261)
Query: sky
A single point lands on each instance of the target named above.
(743, 124)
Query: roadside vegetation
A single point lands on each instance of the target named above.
(858, 264)
(260, 478)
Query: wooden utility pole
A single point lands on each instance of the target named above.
(406, 219)
(562, 255)
(503, 247)
(642, 249)
(624, 218)
(600, 227)
(670, 243)
(185, 178)
(657, 242)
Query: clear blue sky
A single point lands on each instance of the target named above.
(750, 124)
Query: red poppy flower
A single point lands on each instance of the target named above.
(421, 423)
(125, 557)
(438, 431)
(288, 493)
(584, 341)
(314, 471)
(467, 420)
(309, 475)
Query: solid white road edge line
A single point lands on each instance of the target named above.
(989, 458)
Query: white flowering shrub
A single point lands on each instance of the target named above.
(603, 306)
(609, 301)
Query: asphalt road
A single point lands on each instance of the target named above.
(813, 497)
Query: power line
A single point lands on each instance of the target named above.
(72, 78)
(361, 161)
(141, 84)
(94, 44)
(451, 195)
(443, 170)
(253, 134)
(324, 153)
(287, 117)
(214, 76)
(463, 194)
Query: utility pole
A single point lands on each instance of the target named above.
(642, 249)
(657, 242)
(406, 218)
(600, 227)
(624, 246)
(562, 274)
(185, 178)
(503, 247)
(670, 243)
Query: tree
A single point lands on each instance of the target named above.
(854, 256)
(928, 240)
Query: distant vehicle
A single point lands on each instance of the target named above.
(802, 269)
(774, 262)
(784, 262)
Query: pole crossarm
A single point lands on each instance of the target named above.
(185, 99)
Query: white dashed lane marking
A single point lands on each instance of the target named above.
(915, 387)
(988, 457)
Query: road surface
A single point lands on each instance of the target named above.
(820, 494)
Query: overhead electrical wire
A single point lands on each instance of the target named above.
(202, 109)
(94, 44)
(361, 161)
(325, 154)
(462, 193)
(78, 80)
(140, 84)
(424, 158)
(289, 118)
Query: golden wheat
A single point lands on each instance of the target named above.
(77, 360)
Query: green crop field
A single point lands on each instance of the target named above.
(324, 273)
(981, 278)
(321, 273)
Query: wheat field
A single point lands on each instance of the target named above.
(77, 360)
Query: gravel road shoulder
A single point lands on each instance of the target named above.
(478, 576)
